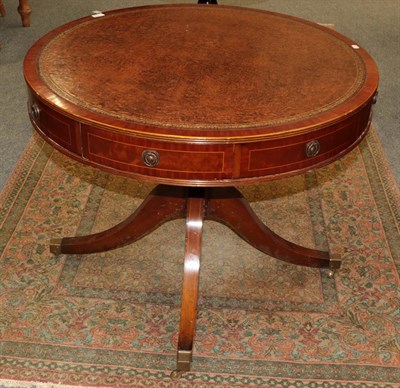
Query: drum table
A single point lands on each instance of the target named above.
(199, 99)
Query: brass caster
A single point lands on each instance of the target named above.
(55, 246)
(331, 274)
(334, 265)
(176, 374)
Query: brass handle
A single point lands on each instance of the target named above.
(312, 148)
(150, 158)
(35, 110)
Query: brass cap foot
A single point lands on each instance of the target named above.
(55, 246)
(335, 261)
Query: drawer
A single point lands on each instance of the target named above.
(54, 126)
(300, 152)
(173, 160)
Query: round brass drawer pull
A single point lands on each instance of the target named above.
(312, 148)
(35, 110)
(150, 158)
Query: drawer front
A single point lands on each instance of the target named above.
(155, 158)
(301, 152)
(55, 127)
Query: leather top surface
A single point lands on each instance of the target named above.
(201, 67)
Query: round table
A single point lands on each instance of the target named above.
(199, 99)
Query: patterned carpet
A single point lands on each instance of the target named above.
(111, 319)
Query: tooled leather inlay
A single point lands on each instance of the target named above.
(201, 67)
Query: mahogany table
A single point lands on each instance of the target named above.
(199, 99)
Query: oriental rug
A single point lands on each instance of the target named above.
(111, 319)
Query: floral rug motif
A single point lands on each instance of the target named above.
(111, 319)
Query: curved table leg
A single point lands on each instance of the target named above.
(163, 204)
(225, 205)
(190, 287)
(228, 207)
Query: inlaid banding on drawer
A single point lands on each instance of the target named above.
(276, 154)
(62, 131)
(127, 155)
(58, 129)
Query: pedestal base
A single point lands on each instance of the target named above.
(225, 205)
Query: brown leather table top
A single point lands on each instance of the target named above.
(201, 67)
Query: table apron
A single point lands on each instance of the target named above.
(200, 164)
